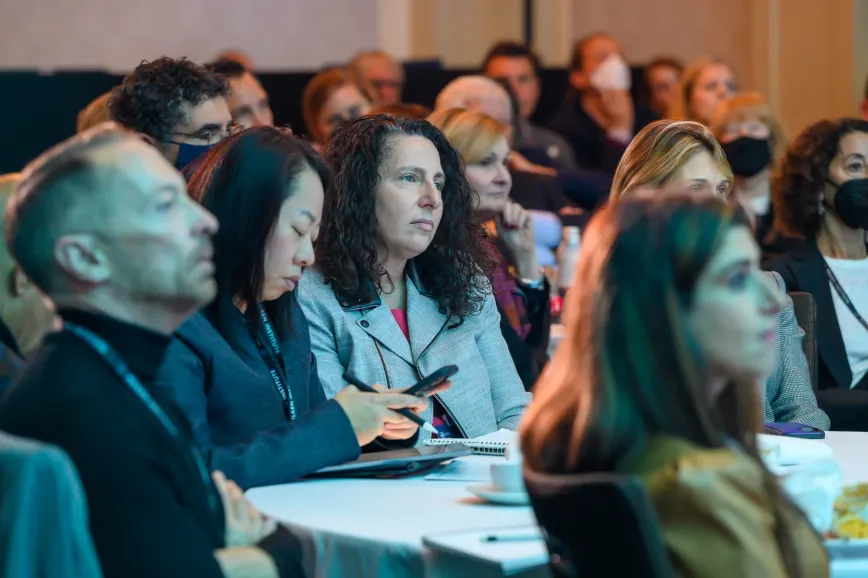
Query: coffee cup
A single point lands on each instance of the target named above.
(507, 476)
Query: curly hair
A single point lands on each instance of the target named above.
(455, 265)
(152, 98)
(804, 173)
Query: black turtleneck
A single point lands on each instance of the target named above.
(151, 514)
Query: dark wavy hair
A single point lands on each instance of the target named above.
(152, 98)
(243, 181)
(804, 173)
(454, 265)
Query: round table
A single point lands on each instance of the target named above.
(360, 527)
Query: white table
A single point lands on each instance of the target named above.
(374, 528)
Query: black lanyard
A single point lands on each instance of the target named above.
(116, 362)
(273, 358)
(840, 290)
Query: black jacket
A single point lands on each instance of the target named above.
(151, 512)
(803, 270)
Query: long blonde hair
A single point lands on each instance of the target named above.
(472, 133)
(659, 151)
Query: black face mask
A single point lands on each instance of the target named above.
(748, 156)
(851, 203)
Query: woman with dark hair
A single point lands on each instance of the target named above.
(821, 195)
(656, 379)
(400, 288)
(242, 369)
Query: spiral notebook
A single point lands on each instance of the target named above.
(493, 444)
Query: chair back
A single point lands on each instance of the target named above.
(806, 317)
(598, 525)
(44, 529)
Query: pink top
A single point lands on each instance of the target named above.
(401, 318)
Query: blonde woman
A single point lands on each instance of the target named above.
(704, 85)
(753, 139)
(686, 154)
(522, 297)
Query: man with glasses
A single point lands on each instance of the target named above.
(179, 104)
(380, 76)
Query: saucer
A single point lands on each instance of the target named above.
(495, 495)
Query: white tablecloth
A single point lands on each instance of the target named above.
(374, 528)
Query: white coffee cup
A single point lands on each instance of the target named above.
(507, 476)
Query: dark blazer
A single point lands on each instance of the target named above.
(588, 139)
(226, 390)
(802, 270)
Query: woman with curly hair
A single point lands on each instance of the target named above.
(400, 288)
(821, 195)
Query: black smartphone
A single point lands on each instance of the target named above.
(428, 384)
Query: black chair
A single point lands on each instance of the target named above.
(598, 525)
(806, 317)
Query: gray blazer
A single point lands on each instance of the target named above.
(789, 396)
(364, 338)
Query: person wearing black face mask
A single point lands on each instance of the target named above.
(179, 104)
(822, 195)
(752, 139)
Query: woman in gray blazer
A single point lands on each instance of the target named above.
(400, 288)
(242, 369)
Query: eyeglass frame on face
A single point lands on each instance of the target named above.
(231, 129)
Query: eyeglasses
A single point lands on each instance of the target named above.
(211, 135)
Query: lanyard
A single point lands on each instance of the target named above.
(840, 290)
(114, 360)
(273, 358)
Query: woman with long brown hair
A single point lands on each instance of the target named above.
(671, 328)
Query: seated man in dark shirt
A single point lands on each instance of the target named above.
(102, 224)
(599, 118)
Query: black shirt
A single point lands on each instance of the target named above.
(151, 513)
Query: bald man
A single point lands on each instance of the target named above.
(25, 314)
(380, 76)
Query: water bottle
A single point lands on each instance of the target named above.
(568, 254)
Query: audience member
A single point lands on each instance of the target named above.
(247, 100)
(598, 117)
(400, 278)
(705, 84)
(522, 298)
(406, 110)
(331, 99)
(656, 379)
(754, 141)
(25, 314)
(685, 154)
(534, 187)
(103, 226)
(257, 408)
(179, 104)
(662, 77)
(516, 65)
(236, 56)
(380, 76)
(97, 112)
(821, 195)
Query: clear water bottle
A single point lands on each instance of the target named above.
(568, 254)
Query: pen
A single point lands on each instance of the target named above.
(403, 411)
(510, 537)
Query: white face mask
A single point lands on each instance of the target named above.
(612, 74)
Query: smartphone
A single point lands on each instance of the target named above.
(794, 430)
(428, 384)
